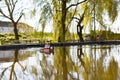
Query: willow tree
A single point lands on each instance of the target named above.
(97, 10)
(7, 10)
(61, 13)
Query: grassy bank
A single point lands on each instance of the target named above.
(9, 37)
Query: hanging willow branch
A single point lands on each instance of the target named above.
(76, 4)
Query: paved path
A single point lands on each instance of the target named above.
(22, 46)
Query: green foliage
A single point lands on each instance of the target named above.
(41, 35)
(108, 35)
(9, 38)
(33, 12)
(101, 7)
(111, 7)
(52, 10)
(56, 25)
(45, 14)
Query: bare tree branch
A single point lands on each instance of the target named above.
(15, 75)
(76, 18)
(3, 72)
(14, 4)
(12, 70)
(75, 4)
(4, 14)
(8, 7)
(72, 17)
(19, 17)
(21, 65)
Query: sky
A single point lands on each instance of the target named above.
(33, 21)
(115, 27)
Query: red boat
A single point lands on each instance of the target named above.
(47, 49)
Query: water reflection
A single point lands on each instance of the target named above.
(9, 60)
(67, 63)
(96, 66)
(80, 55)
(12, 74)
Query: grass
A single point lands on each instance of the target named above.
(8, 38)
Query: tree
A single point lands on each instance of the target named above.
(12, 74)
(80, 26)
(64, 12)
(11, 5)
(97, 10)
(60, 13)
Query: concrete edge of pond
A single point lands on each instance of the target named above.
(22, 46)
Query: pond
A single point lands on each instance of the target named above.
(95, 62)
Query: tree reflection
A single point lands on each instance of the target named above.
(62, 68)
(80, 63)
(12, 66)
(80, 55)
(60, 64)
(64, 63)
(71, 66)
(47, 69)
(66, 68)
(96, 69)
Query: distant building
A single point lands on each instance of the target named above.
(7, 27)
(88, 37)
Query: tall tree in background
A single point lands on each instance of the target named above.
(10, 6)
(61, 12)
(62, 17)
(97, 10)
(80, 26)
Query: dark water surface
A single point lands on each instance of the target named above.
(96, 62)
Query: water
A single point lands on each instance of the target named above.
(70, 63)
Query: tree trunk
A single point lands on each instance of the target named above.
(62, 37)
(63, 19)
(64, 64)
(81, 38)
(79, 32)
(16, 31)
